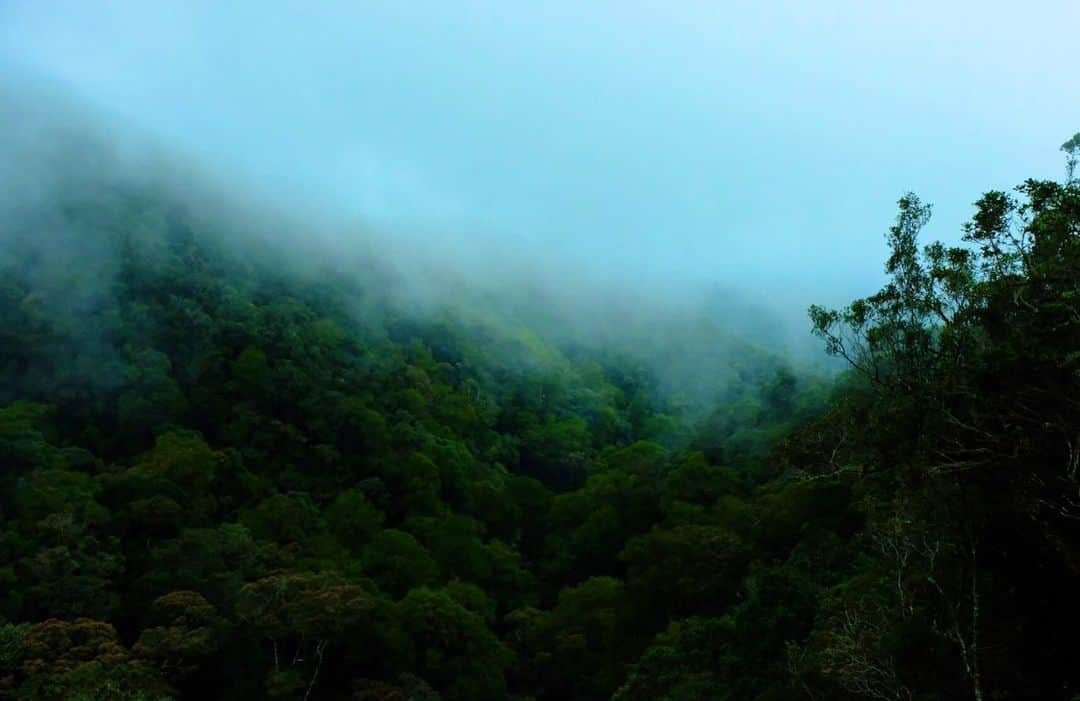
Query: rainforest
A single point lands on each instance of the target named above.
(251, 450)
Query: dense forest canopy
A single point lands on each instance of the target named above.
(226, 473)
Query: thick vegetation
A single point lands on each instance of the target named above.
(222, 480)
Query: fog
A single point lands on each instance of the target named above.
(674, 151)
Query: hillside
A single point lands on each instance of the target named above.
(230, 474)
(217, 459)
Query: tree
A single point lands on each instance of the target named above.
(184, 629)
(973, 351)
(580, 648)
(185, 459)
(353, 519)
(83, 659)
(677, 571)
(1072, 155)
(904, 336)
(398, 562)
(452, 648)
(300, 615)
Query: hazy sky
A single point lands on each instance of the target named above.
(749, 142)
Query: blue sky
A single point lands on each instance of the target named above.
(761, 144)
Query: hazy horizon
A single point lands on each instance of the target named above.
(668, 145)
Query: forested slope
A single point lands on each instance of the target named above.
(223, 475)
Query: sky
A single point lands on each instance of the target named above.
(758, 144)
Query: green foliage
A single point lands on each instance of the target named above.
(398, 562)
(236, 477)
(452, 647)
(684, 569)
(84, 659)
(11, 646)
(970, 429)
(352, 519)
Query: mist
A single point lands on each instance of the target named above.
(638, 161)
(507, 351)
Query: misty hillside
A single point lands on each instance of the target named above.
(531, 352)
(192, 416)
(234, 467)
